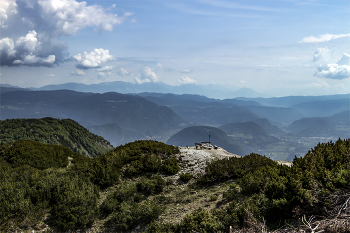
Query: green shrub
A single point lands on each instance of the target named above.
(186, 176)
(235, 167)
(131, 214)
(170, 166)
(233, 192)
(200, 221)
(156, 227)
(153, 185)
(74, 203)
(114, 199)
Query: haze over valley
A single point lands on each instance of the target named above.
(280, 128)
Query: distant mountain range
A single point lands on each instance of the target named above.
(203, 110)
(212, 90)
(136, 116)
(289, 101)
(260, 125)
(336, 125)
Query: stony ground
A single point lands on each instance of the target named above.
(194, 160)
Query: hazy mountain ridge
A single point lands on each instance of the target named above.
(289, 101)
(212, 90)
(122, 118)
(204, 111)
(323, 108)
(133, 114)
(250, 134)
(335, 125)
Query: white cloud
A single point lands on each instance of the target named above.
(323, 38)
(338, 70)
(140, 81)
(104, 73)
(93, 59)
(29, 42)
(344, 60)
(159, 65)
(7, 47)
(50, 75)
(78, 72)
(321, 84)
(7, 8)
(187, 80)
(105, 68)
(31, 29)
(31, 59)
(71, 16)
(322, 54)
(186, 71)
(147, 73)
(123, 72)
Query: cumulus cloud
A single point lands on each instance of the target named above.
(338, 70)
(31, 59)
(77, 72)
(123, 72)
(187, 80)
(31, 29)
(105, 68)
(322, 54)
(140, 81)
(147, 73)
(323, 38)
(7, 8)
(94, 59)
(186, 71)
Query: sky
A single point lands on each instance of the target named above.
(276, 47)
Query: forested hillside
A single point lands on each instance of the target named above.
(140, 186)
(48, 130)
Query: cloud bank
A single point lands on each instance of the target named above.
(123, 72)
(339, 70)
(323, 38)
(30, 29)
(187, 80)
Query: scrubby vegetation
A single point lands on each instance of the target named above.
(133, 186)
(53, 131)
(50, 182)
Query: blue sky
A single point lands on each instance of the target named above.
(276, 47)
